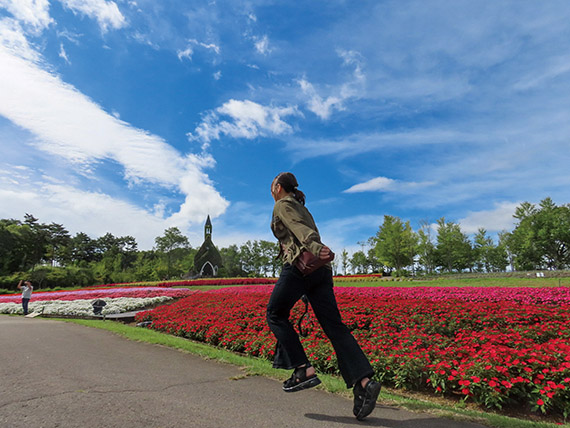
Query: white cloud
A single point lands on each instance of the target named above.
(359, 143)
(495, 220)
(374, 185)
(354, 86)
(384, 184)
(316, 104)
(63, 54)
(34, 14)
(353, 58)
(72, 127)
(324, 107)
(71, 207)
(12, 38)
(189, 51)
(558, 67)
(106, 13)
(218, 75)
(210, 46)
(245, 119)
(262, 45)
(186, 53)
(341, 233)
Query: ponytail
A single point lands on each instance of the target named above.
(288, 181)
(300, 196)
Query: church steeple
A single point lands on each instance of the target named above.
(208, 229)
(207, 260)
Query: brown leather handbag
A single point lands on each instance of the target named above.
(308, 263)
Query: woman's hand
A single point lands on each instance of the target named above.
(324, 253)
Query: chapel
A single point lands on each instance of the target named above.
(208, 260)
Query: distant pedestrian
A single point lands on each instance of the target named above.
(27, 288)
(294, 227)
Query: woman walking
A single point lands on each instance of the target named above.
(294, 227)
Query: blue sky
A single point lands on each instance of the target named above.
(131, 116)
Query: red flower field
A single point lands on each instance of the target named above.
(496, 346)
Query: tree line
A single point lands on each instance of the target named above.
(50, 256)
(539, 241)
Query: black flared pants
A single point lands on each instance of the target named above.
(318, 287)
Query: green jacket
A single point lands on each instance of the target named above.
(294, 227)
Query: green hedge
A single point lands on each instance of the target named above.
(50, 277)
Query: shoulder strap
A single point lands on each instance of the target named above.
(305, 300)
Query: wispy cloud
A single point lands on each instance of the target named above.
(356, 144)
(189, 51)
(243, 119)
(325, 106)
(555, 69)
(71, 206)
(63, 54)
(338, 233)
(106, 13)
(14, 41)
(262, 45)
(185, 54)
(32, 14)
(385, 184)
(321, 107)
(71, 126)
(495, 220)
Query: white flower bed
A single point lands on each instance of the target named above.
(83, 307)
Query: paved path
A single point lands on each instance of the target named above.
(55, 374)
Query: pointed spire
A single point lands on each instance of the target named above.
(208, 229)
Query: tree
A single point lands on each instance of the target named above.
(488, 256)
(12, 251)
(482, 246)
(553, 234)
(127, 252)
(146, 266)
(395, 243)
(522, 242)
(106, 245)
(541, 238)
(82, 249)
(373, 262)
(344, 261)
(35, 239)
(453, 250)
(426, 247)
(58, 244)
(168, 244)
(359, 262)
(249, 252)
(259, 257)
(231, 261)
(269, 251)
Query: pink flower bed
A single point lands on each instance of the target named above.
(100, 293)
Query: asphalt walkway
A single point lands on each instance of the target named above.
(56, 374)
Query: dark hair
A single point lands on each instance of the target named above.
(289, 183)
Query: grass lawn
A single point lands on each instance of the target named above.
(460, 282)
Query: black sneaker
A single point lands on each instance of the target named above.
(299, 380)
(365, 398)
